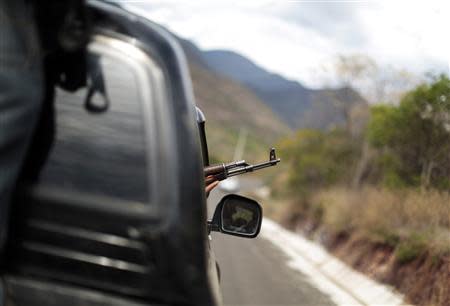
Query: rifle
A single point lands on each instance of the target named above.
(223, 171)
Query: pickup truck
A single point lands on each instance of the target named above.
(118, 214)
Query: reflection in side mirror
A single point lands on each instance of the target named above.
(240, 215)
(237, 215)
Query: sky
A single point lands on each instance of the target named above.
(298, 38)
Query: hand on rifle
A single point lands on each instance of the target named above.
(210, 183)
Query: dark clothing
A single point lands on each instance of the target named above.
(21, 94)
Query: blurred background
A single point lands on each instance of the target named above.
(355, 95)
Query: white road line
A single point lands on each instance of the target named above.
(328, 274)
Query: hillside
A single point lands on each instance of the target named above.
(298, 106)
(230, 106)
(235, 93)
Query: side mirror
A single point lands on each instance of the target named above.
(237, 215)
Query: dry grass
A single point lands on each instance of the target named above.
(411, 220)
(409, 229)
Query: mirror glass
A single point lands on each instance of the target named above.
(240, 216)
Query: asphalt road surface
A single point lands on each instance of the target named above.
(254, 271)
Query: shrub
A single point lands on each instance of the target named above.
(414, 137)
(410, 248)
(403, 219)
(319, 159)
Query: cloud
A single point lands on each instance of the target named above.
(339, 21)
(295, 38)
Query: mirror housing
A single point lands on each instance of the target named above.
(237, 215)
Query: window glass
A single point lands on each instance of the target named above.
(101, 153)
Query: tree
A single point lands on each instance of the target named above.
(319, 159)
(377, 83)
(351, 68)
(416, 134)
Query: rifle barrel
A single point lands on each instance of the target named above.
(251, 168)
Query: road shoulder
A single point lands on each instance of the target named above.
(328, 274)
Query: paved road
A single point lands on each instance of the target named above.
(254, 272)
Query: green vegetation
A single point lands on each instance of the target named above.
(389, 183)
(411, 248)
(319, 159)
(414, 137)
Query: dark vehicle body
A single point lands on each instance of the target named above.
(118, 216)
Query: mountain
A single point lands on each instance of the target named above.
(235, 93)
(230, 106)
(240, 68)
(193, 54)
(298, 106)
